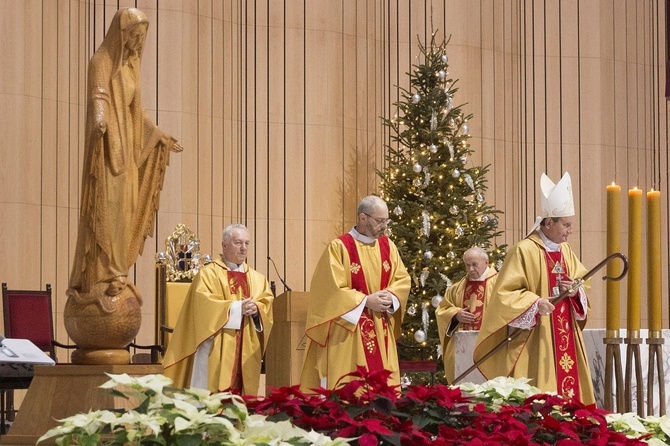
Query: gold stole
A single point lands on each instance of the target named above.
(366, 322)
(239, 285)
(563, 328)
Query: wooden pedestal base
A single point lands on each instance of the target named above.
(61, 391)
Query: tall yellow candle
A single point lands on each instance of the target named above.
(634, 260)
(654, 259)
(613, 245)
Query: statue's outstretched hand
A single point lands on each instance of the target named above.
(176, 147)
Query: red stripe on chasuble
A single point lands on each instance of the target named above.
(366, 323)
(473, 300)
(563, 327)
(239, 285)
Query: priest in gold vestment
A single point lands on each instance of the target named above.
(550, 351)
(224, 325)
(357, 301)
(464, 304)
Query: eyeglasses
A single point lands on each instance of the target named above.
(380, 221)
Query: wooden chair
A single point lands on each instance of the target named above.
(175, 269)
(27, 315)
(169, 300)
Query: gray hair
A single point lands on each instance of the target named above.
(368, 204)
(228, 231)
(479, 252)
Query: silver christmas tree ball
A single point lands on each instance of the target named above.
(454, 210)
(405, 381)
(459, 231)
(444, 58)
(435, 301)
(442, 74)
(428, 255)
(451, 255)
(416, 98)
(485, 219)
(465, 128)
(456, 173)
(417, 182)
(433, 148)
(411, 310)
(480, 197)
(420, 336)
(416, 168)
(464, 160)
(397, 210)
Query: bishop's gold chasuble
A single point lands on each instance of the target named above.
(552, 353)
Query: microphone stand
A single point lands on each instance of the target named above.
(281, 279)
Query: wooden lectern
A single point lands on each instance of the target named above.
(286, 347)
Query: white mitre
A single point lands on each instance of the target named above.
(556, 199)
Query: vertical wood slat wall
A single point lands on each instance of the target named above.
(278, 107)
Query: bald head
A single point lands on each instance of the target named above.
(369, 204)
(373, 216)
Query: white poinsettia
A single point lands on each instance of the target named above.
(659, 427)
(507, 386)
(664, 424)
(653, 441)
(138, 387)
(316, 439)
(628, 423)
(144, 422)
(151, 382)
(501, 390)
(258, 431)
(234, 406)
(86, 423)
(179, 414)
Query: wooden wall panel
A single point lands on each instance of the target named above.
(278, 106)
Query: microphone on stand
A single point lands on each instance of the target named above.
(281, 279)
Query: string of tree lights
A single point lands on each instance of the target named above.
(436, 196)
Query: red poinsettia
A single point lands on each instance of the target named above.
(368, 409)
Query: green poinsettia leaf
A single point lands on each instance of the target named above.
(88, 440)
(118, 394)
(392, 439)
(188, 440)
(383, 405)
(143, 408)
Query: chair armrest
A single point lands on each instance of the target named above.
(61, 345)
(154, 348)
(147, 347)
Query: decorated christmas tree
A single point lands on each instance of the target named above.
(436, 196)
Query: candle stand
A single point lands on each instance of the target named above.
(633, 341)
(613, 372)
(655, 342)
